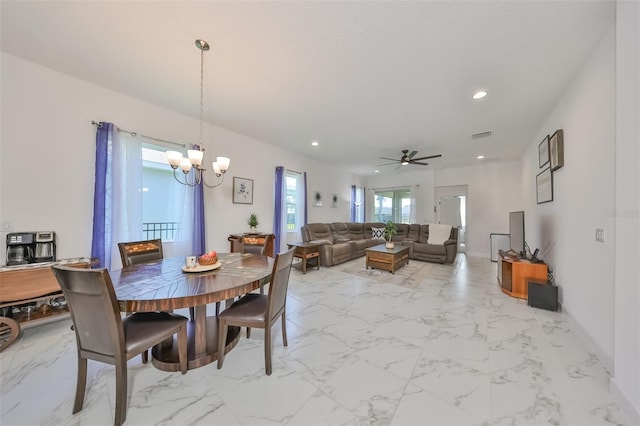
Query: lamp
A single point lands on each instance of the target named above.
(194, 158)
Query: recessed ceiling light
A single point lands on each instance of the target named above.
(480, 94)
(376, 171)
(314, 143)
(480, 157)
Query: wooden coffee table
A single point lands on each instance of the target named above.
(381, 257)
(306, 251)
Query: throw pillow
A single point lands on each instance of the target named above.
(377, 233)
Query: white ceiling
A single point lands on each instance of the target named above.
(366, 79)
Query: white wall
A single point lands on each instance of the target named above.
(626, 382)
(48, 153)
(584, 194)
(493, 191)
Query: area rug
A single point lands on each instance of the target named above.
(411, 276)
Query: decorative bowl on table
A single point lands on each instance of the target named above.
(210, 258)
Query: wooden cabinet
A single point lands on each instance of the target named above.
(236, 242)
(31, 284)
(514, 274)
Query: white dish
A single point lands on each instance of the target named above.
(202, 268)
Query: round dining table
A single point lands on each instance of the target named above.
(163, 285)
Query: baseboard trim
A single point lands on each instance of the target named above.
(591, 344)
(624, 403)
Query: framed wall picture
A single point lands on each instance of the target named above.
(317, 198)
(556, 150)
(544, 186)
(543, 152)
(242, 190)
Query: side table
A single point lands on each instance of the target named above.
(306, 251)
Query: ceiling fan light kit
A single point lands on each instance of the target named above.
(407, 159)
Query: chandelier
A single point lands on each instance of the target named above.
(194, 158)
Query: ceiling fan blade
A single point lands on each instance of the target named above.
(426, 158)
(412, 154)
(417, 162)
(391, 159)
(387, 164)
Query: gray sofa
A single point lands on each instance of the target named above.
(343, 241)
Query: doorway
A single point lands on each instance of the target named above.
(451, 209)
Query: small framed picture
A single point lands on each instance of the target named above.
(317, 199)
(544, 186)
(242, 190)
(543, 152)
(556, 150)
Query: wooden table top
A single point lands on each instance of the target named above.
(383, 249)
(162, 285)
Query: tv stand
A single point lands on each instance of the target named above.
(514, 274)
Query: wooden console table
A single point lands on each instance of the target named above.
(514, 273)
(236, 242)
(30, 284)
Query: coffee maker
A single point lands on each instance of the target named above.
(30, 247)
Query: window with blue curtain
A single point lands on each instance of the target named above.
(136, 198)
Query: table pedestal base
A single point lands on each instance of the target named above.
(165, 356)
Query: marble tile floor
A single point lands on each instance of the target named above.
(430, 345)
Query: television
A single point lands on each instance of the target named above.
(516, 233)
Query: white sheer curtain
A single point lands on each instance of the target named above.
(370, 203)
(128, 200)
(412, 209)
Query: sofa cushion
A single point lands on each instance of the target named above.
(414, 232)
(340, 232)
(423, 235)
(319, 231)
(356, 231)
(377, 233)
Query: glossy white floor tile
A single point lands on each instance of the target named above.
(429, 345)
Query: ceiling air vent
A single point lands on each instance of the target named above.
(481, 135)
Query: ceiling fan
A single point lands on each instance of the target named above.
(407, 159)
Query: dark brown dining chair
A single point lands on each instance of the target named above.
(103, 335)
(259, 310)
(249, 246)
(134, 252)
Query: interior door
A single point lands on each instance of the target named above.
(451, 209)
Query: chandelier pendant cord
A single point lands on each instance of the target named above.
(201, 92)
(194, 162)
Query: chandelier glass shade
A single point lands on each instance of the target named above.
(194, 159)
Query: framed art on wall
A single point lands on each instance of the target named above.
(544, 186)
(543, 152)
(242, 190)
(556, 150)
(317, 199)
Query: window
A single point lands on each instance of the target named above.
(394, 205)
(295, 200)
(162, 196)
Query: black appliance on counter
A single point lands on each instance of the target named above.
(30, 247)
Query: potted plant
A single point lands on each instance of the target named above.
(253, 222)
(390, 229)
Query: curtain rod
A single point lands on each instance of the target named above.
(98, 124)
